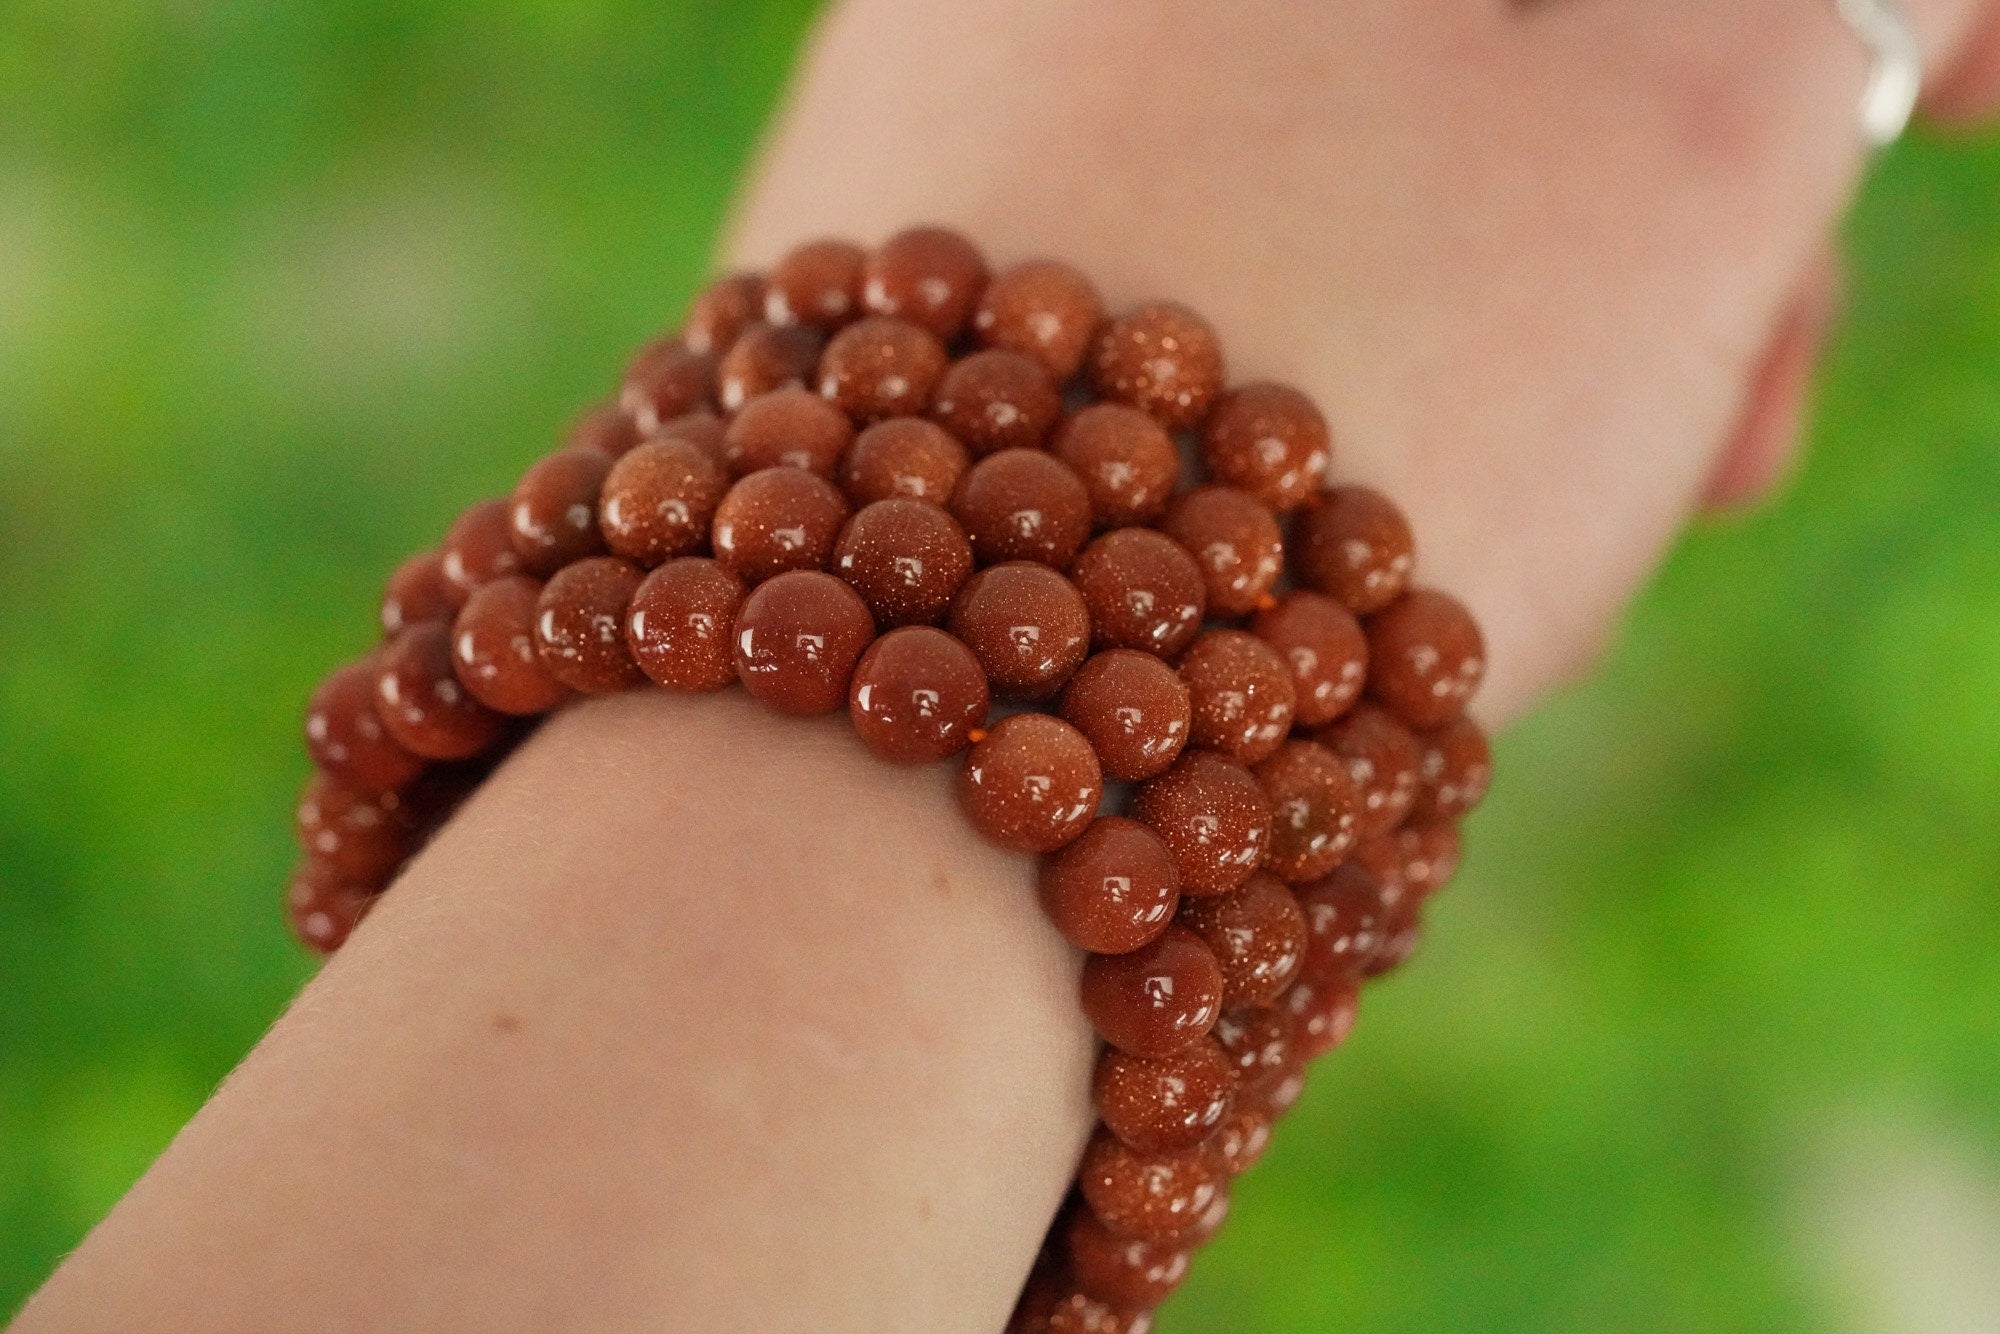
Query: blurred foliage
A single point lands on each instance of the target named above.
(283, 284)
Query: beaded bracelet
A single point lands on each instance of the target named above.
(830, 462)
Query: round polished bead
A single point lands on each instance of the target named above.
(787, 428)
(1022, 504)
(1320, 1014)
(1345, 925)
(478, 547)
(764, 359)
(777, 520)
(1235, 540)
(1414, 861)
(417, 592)
(1112, 889)
(493, 649)
(1241, 1138)
(1426, 657)
(879, 367)
(816, 284)
(358, 836)
(323, 907)
(1043, 309)
(667, 379)
(1027, 626)
(422, 704)
(1402, 933)
(1257, 934)
(1241, 694)
(1268, 440)
(1453, 772)
(345, 736)
(1282, 1096)
(995, 400)
(1214, 818)
(1032, 784)
(1144, 591)
(929, 276)
(1080, 1313)
(659, 501)
(1148, 1196)
(1315, 810)
(907, 560)
(702, 429)
(580, 625)
(1354, 545)
(552, 515)
(1157, 999)
(1383, 757)
(903, 456)
(1322, 643)
(681, 624)
(798, 639)
(1135, 710)
(1127, 461)
(1258, 1044)
(917, 696)
(1208, 1222)
(722, 311)
(1160, 1105)
(1118, 1269)
(1162, 358)
(604, 428)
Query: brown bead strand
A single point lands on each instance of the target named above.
(552, 515)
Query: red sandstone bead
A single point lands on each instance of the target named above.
(1241, 695)
(478, 547)
(323, 908)
(903, 456)
(1042, 309)
(702, 429)
(666, 379)
(1454, 771)
(1315, 810)
(1345, 925)
(552, 515)
(604, 428)
(777, 520)
(681, 623)
(816, 284)
(1127, 461)
(1163, 358)
(580, 625)
(1324, 646)
(1214, 818)
(764, 359)
(1320, 1014)
(1426, 657)
(880, 367)
(493, 649)
(418, 591)
(1032, 784)
(1257, 934)
(359, 837)
(1208, 1222)
(1022, 504)
(1356, 546)
(1143, 590)
(1383, 757)
(1403, 933)
(1113, 889)
(345, 736)
(1080, 1313)
(1027, 626)
(1235, 540)
(1151, 1197)
(1157, 999)
(1118, 1269)
(798, 639)
(787, 428)
(1258, 1043)
(1166, 1104)
(1241, 1138)
(421, 703)
(1426, 856)
(1283, 1095)
(659, 501)
(917, 696)
(997, 400)
(907, 560)
(723, 310)
(1269, 440)
(929, 276)
(1135, 710)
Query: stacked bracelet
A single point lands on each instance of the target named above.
(890, 483)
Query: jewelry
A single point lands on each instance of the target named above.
(1898, 76)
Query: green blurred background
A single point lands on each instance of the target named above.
(1707, 1038)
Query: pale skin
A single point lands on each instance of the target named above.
(697, 1018)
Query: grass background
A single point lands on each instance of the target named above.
(282, 285)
